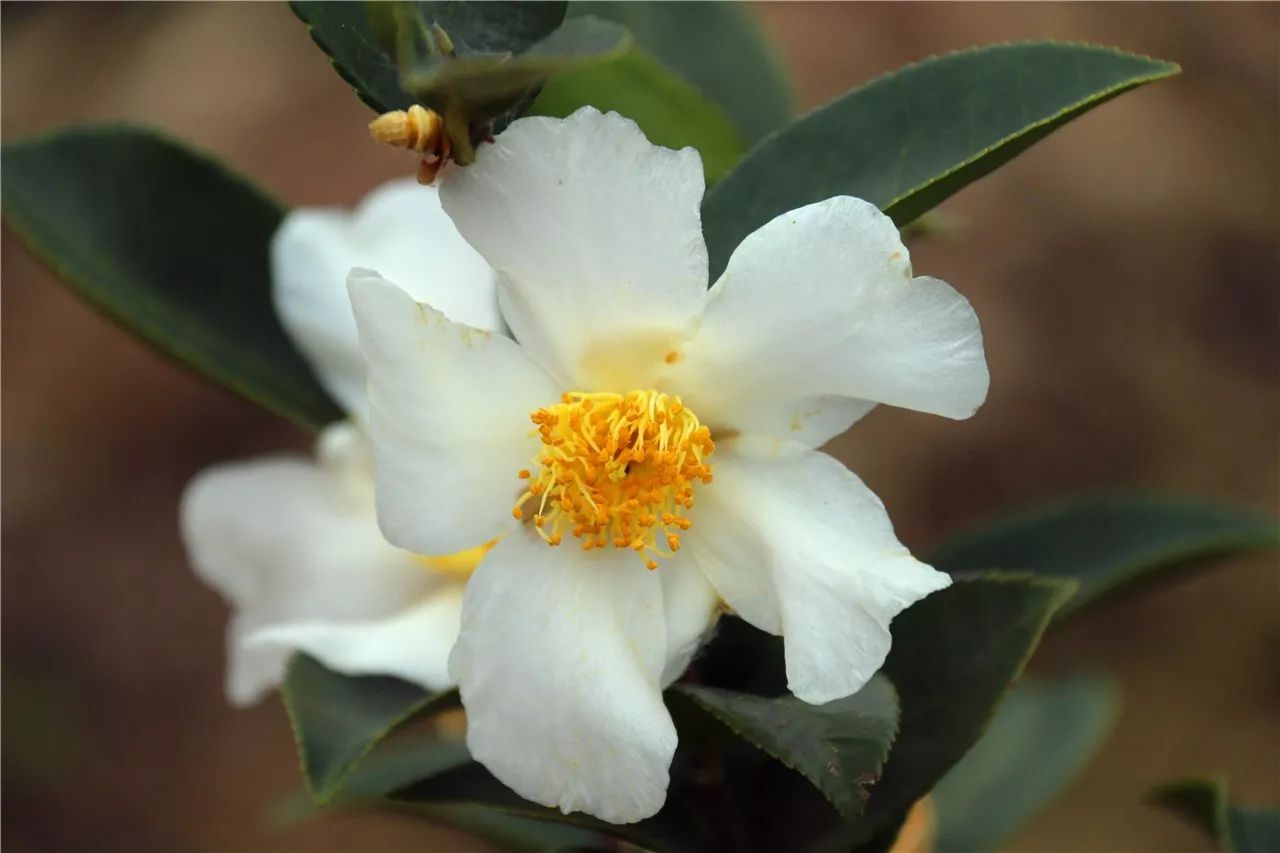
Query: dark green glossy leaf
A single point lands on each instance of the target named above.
(668, 110)
(511, 832)
(171, 245)
(840, 747)
(488, 84)
(404, 761)
(910, 139)
(337, 719)
(474, 788)
(716, 48)
(1039, 740)
(392, 766)
(955, 654)
(1206, 803)
(1109, 541)
(345, 32)
(477, 28)
(349, 33)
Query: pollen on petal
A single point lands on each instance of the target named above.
(461, 564)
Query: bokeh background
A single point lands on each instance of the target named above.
(1125, 271)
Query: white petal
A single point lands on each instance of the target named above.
(413, 644)
(599, 237)
(400, 230)
(284, 538)
(559, 661)
(726, 547)
(691, 605)
(449, 413)
(251, 672)
(817, 318)
(824, 543)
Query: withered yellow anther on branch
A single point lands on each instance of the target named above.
(418, 129)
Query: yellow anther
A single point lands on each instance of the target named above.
(617, 469)
(417, 129)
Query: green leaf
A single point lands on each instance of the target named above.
(668, 110)
(346, 32)
(390, 767)
(475, 789)
(840, 747)
(1254, 830)
(171, 245)
(511, 832)
(1109, 541)
(1040, 739)
(1205, 803)
(488, 84)
(954, 656)
(735, 69)
(477, 28)
(404, 761)
(910, 139)
(337, 719)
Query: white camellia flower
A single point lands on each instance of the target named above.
(657, 442)
(293, 543)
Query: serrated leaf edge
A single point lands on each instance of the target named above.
(860, 789)
(357, 85)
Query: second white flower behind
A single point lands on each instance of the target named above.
(644, 446)
(292, 542)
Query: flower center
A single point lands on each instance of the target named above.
(617, 469)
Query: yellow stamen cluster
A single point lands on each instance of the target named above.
(616, 469)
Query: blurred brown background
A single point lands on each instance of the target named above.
(1125, 270)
